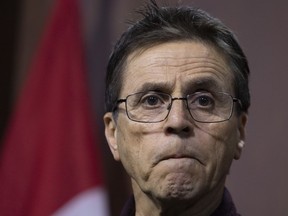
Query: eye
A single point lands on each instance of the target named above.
(151, 100)
(201, 100)
(204, 100)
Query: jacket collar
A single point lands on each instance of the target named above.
(226, 207)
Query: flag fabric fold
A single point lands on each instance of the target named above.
(50, 162)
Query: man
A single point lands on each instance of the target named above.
(177, 99)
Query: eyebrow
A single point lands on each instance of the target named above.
(203, 83)
(155, 86)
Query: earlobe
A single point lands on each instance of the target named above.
(239, 148)
(241, 144)
(242, 134)
(242, 125)
(111, 134)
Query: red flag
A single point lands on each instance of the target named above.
(50, 164)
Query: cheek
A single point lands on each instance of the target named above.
(219, 144)
(225, 136)
(134, 150)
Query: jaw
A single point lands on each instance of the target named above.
(200, 202)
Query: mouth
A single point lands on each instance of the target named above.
(180, 157)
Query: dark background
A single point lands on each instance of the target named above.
(258, 181)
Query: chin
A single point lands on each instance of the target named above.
(184, 189)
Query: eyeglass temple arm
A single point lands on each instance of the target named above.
(116, 104)
(120, 101)
(237, 100)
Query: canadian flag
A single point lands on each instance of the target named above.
(50, 162)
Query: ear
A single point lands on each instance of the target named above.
(111, 134)
(242, 120)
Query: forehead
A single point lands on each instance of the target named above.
(176, 65)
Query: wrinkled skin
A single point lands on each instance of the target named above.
(177, 166)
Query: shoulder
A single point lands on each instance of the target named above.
(129, 207)
(227, 206)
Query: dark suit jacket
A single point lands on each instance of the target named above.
(226, 207)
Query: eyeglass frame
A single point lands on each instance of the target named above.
(122, 100)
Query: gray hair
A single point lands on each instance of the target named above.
(167, 24)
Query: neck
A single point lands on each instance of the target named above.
(205, 205)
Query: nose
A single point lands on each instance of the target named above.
(179, 119)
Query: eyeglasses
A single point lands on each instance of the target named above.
(153, 106)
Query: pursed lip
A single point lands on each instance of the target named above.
(180, 156)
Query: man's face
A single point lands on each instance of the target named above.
(177, 158)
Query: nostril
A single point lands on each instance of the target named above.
(186, 129)
(177, 130)
(170, 130)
